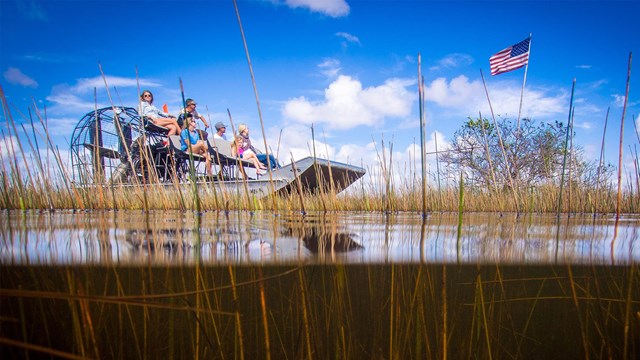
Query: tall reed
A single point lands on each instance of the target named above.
(624, 111)
(28, 188)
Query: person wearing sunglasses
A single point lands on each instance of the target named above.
(156, 116)
(190, 141)
(190, 110)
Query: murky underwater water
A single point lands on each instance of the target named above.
(130, 284)
(173, 238)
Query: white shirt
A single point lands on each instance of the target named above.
(218, 137)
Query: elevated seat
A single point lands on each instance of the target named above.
(152, 128)
(103, 152)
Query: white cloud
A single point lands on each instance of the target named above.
(407, 167)
(466, 98)
(594, 85)
(618, 101)
(333, 8)
(17, 77)
(51, 58)
(583, 125)
(66, 99)
(330, 68)
(583, 109)
(297, 142)
(413, 150)
(369, 155)
(84, 85)
(8, 146)
(585, 67)
(453, 61)
(62, 126)
(12, 157)
(348, 38)
(356, 154)
(347, 104)
(459, 92)
(538, 105)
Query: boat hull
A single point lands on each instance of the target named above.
(318, 175)
(308, 175)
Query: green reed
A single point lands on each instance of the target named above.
(50, 187)
(355, 311)
(43, 195)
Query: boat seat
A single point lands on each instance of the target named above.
(103, 152)
(182, 158)
(221, 154)
(152, 128)
(223, 149)
(174, 140)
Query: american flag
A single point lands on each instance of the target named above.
(511, 58)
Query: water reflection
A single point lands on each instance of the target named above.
(161, 238)
(329, 242)
(322, 235)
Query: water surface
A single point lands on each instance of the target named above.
(174, 237)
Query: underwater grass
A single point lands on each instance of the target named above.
(363, 311)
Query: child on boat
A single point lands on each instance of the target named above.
(245, 154)
(243, 130)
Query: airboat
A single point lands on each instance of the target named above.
(115, 146)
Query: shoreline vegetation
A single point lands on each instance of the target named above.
(37, 178)
(16, 195)
(491, 167)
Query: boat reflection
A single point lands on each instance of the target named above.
(318, 242)
(318, 238)
(129, 238)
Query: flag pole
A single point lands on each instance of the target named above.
(524, 81)
(504, 154)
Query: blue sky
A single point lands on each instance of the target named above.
(348, 67)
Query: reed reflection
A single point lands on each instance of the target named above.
(174, 237)
(193, 237)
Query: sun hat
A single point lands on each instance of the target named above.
(220, 125)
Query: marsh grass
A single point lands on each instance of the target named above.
(37, 178)
(363, 311)
(16, 193)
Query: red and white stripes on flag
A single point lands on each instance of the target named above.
(511, 58)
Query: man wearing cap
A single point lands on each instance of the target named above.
(221, 129)
(191, 109)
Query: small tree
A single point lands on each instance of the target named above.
(534, 151)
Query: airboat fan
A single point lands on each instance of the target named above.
(102, 145)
